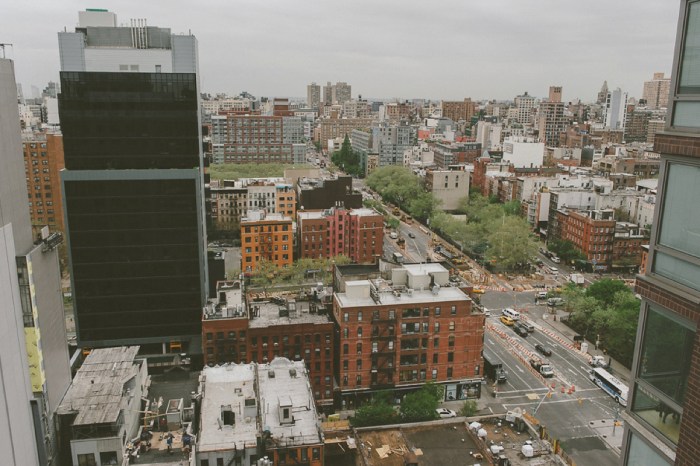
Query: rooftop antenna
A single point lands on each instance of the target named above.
(2, 46)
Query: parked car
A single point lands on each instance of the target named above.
(444, 412)
(541, 295)
(553, 302)
(508, 321)
(543, 349)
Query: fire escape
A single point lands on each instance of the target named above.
(383, 340)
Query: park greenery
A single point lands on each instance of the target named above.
(232, 171)
(607, 312)
(399, 186)
(493, 232)
(417, 406)
(268, 275)
(347, 159)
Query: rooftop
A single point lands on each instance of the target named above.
(284, 383)
(266, 314)
(97, 393)
(226, 389)
(231, 307)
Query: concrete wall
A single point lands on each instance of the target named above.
(107, 59)
(16, 429)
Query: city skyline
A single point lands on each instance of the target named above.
(393, 51)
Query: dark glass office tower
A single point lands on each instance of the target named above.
(133, 193)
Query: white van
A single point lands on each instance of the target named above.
(512, 313)
(554, 271)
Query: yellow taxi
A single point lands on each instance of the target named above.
(508, 321)
(478, 290)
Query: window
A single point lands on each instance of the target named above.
(219, 462)
(87, 459)
(677, 255)
(358, 364)
(359, 348)
(640, 453)
(346, 317)
(437, 327)
(346, 332)
(108, 458)
(451, 341)
(345, 364)
(453, 310)
(437, 312)
(450, 357)
(346, 348)
(452, 325)
(359, 316)
(359, 332)
(204, 463)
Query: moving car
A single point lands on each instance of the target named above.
(543, 349)
(508, 321)
(520, 330)
(478, 290)
(444, 412)
(411, 234)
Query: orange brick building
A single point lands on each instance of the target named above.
(456, 110)
(266, 237)
(357, 234)
(401, 333)
(43, 161)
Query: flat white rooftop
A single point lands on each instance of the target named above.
(227, 386)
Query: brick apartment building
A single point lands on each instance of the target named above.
(239, 330)
(457, 110)
(453, 153)
(332, 128)
(356, 233)
(627, 246)
(400, 333)
(43, 161)
(592, 232)
(266, 237)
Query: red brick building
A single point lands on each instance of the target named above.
(357, 234)
(43, 161)
(400, 333)
(233, 331)
(627, 246)
(592, 232)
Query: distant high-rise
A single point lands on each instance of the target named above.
(133, 183)
(656, 91)
(34, 367)
(524, 105)
(551, 118)
(328, 94)
(342, 92)
(313, 95)
(615, 109)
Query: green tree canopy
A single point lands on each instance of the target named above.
(604, 290)
(347, 159)
(421, 405)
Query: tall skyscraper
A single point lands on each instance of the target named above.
(615, 109)
(656, 91)
(313, 95)
(663, 410)
(342, 92)
(603, 93)
(133, 183)
(34, 368)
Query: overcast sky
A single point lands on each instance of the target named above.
(447, 49)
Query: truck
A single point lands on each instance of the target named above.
(599, 361)
(493, 368)
(398, 257)
(577, 278)
(542, 367)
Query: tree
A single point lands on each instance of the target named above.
(512, 244)
(565, 250)
(469, 408)
(422, 404)
(375, 413)
(229, 171)
(347, 159)
(604, 290)
(422, 206)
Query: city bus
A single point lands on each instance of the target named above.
(610, 384)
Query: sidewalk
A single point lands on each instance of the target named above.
(619, 370)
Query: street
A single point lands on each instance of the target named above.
(576, 412)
